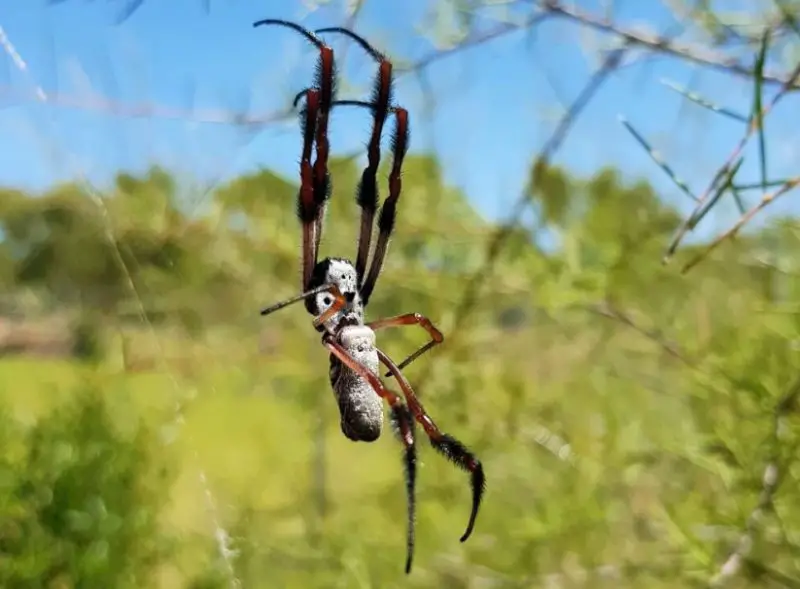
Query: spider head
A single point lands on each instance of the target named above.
(343, 274)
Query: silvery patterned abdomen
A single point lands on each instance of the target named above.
(360, 406)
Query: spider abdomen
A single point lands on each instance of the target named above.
(360, 407)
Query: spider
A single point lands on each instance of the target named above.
(336, 291)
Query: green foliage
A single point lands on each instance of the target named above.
(80, 500)
(626, 414)
(88, 339)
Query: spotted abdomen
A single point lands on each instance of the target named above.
(360, 406)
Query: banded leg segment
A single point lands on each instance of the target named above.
(381, 107)
(445, 444)
(315, 186)
(405, 431)
(367, 196)
(437, 337)
(326, 78)
(306, 201)
(388, 215)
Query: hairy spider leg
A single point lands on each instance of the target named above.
(306, 202)
(445, 444)
(326, 79)
(437, 337)
(315, 183)
(388, 214)
(401, 417)
(367, 195)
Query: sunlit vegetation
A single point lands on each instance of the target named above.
(626, 414)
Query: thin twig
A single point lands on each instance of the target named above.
(605, 309)
(663, 44)
(699, 100)
(766, 200)
(499, 31)
(729, 163)
(502, 233)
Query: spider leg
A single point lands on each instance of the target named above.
(445, 444)
(386, 219)
(326, 78)
(437, 337)
(403, 427)
(315, 185)
(367, 196)
(401, 418)
(307, 208)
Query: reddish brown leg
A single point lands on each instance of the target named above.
(306, 205)
(368, 188)
(322, 180)
(437, 337)
(314, 181)
(337, 305)
(444, 443)
(402, 421)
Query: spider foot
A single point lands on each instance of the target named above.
(462, 457)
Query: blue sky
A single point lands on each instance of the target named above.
(495, 105)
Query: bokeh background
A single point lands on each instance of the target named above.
(637, 419)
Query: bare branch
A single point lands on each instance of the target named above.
(501, 235)
(662, 44)
(725, 169)
(657, 43)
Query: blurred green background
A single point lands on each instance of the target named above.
(637, 425)
(625, 414)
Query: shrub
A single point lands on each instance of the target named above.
(80, 500)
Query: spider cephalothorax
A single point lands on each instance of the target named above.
(336, 291)
(342, 273)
